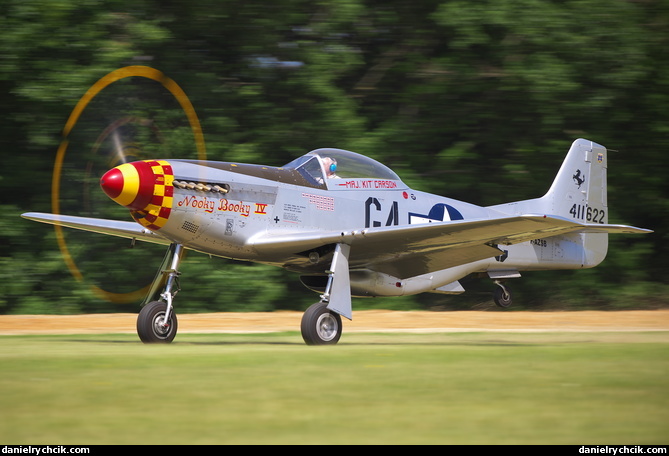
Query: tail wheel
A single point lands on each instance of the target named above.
(320, 326)
(502, 296)
(150, 327)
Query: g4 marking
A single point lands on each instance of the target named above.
(393, 215)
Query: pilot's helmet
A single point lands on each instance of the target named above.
(330, 165)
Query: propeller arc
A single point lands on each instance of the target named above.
(126, 72)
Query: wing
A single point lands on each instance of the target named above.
(410, 250)
(129, 230)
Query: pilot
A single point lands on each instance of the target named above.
(330, 165)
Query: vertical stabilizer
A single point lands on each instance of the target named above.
(579, 193)
(579, 190)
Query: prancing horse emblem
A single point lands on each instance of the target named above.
(578, 178)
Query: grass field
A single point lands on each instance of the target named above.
(446, 388)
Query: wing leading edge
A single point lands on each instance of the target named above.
(130, 230)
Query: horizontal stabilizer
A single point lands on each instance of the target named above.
(613, 229)
(130, 230)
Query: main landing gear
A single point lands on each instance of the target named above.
(321, 323)
(155, 325)
(320, 326)
(157, 322)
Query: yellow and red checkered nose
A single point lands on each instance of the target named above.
(144, 187)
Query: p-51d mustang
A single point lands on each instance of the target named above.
(350, 227)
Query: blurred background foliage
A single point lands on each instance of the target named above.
(478, 100)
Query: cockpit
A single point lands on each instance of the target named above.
(321, 165)
(331, 169)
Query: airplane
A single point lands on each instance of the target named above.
(350, 227)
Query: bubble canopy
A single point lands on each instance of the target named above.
(348, 165)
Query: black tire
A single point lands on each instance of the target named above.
(502, 296)
(149, 329)
(320, 326)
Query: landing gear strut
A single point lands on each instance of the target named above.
(157, 322)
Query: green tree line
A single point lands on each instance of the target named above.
(476, 100)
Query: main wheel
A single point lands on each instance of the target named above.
(149, 324)
(320, 326)
(502, 296)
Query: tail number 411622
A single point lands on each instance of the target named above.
(590, 214)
